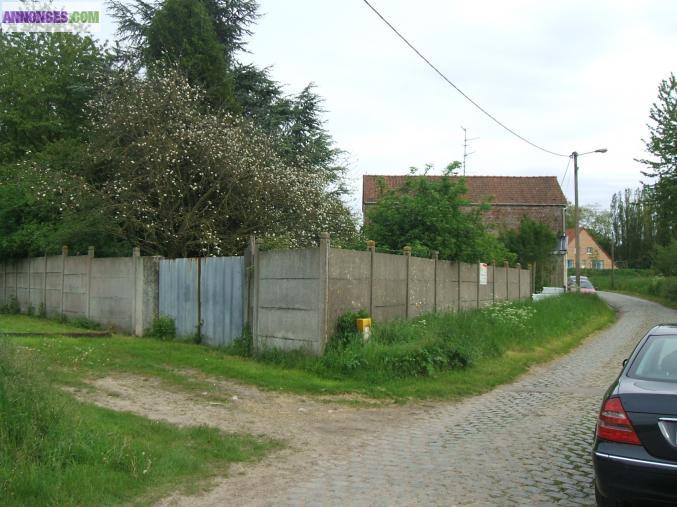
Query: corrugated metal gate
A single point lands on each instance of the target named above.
(208, 292)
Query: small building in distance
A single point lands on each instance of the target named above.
(593, 256)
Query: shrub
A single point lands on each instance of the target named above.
(346, 329)
(242, 346)
(84, 323)
(163, 327)
(11, 307)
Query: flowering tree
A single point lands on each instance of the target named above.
(183, 179)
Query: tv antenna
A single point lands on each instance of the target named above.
(465, 146)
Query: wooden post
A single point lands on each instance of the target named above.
(407, 257)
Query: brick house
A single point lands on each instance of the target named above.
(593, 256)
(512, 197)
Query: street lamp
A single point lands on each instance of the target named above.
(575, 156)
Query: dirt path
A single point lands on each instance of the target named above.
(315, 430)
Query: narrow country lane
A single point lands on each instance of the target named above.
(527, 443)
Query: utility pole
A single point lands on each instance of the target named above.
(465, 146)
(574, 155)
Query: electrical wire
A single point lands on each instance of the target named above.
(411, 46)
(565, 172)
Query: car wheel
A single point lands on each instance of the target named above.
(603, 501)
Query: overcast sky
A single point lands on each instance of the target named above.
(568, 75)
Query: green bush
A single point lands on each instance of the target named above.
(346, 329)
(84, 323)
(11, 307)
(163, 328)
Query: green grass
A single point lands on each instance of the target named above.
(25, 324)
(436, 356)
(638, 282)
(57, 451)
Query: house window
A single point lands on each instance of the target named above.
(598, 264)
(570, 263)
(588, 250)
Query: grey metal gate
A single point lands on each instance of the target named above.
(207, 292)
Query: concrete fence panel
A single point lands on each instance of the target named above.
(421, 286)
(447, 286)
(468, 280)
(289, 302)
(349, 283)
(389, 286)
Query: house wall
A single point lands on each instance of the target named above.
(588, 244)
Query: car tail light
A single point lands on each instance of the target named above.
(613, 423)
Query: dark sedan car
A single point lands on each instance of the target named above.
(635, 450)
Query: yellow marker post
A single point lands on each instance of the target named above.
(364, 326)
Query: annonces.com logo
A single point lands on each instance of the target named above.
(51, 16)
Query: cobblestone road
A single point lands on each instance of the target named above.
(527, 443)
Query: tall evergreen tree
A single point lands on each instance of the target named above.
(182, 33)
(662, 145)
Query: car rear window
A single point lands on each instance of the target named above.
(657, 360)
(585, 284)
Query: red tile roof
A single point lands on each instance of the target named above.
(530, 190)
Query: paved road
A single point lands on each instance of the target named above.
(527, 443)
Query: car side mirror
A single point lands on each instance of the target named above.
(625, 362)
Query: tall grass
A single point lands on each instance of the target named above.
(643, 282)
(435, 343)
(56, 451)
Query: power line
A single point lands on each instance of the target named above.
(411, 46)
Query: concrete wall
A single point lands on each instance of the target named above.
(299, 294)
(120, 292)
(290, 300)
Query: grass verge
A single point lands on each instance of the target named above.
(57, 451)
(636, 282)
(439, 356)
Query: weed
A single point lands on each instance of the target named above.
(163, 328)
(11, 307)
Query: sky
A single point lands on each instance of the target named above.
(567, 75)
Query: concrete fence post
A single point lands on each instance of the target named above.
(44, 285)
(407, 258)
(136, 257)
(90, 257)
(325, 251)
(256, 288)
(458, 285)
(477, 283)
(4, 282)
(371, 246)
(29, 304)
(436, 256)
(250, 254)
(506, 265)
(64, 254)
(519, 281)
(493, 280)
(532, 278)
